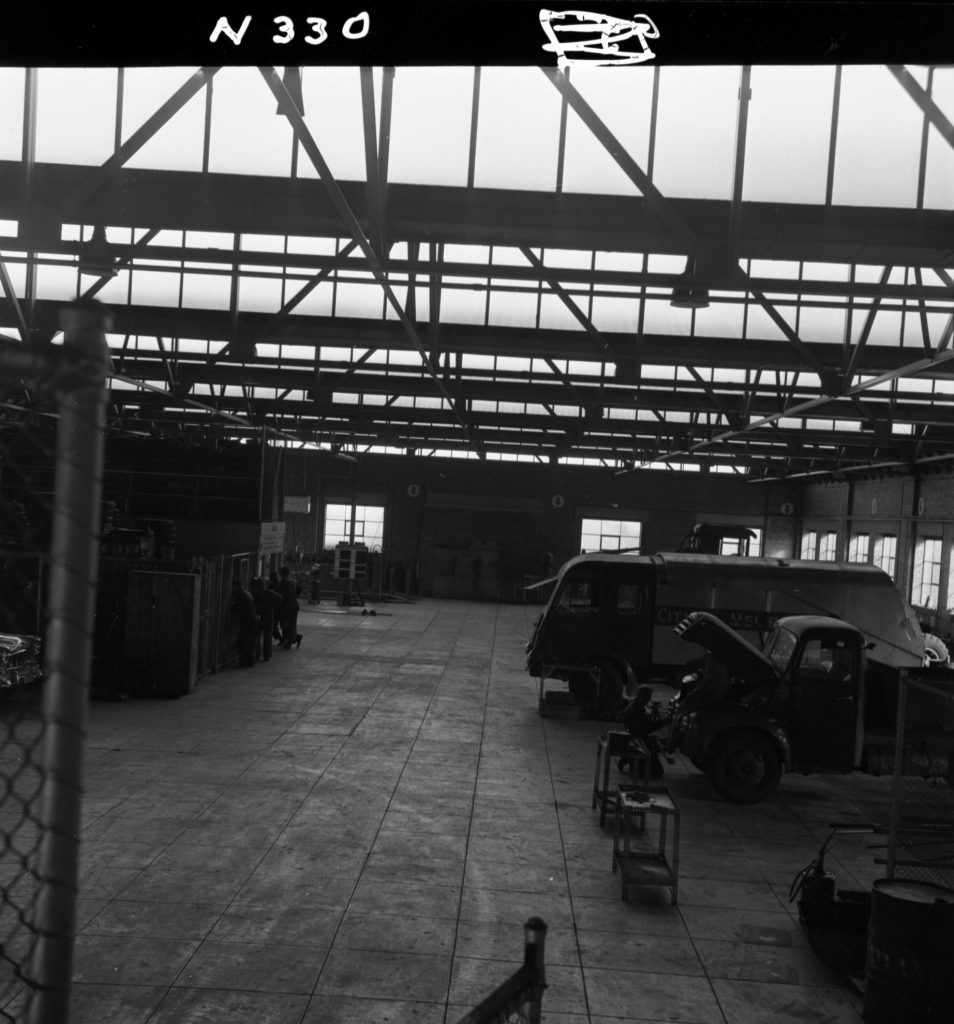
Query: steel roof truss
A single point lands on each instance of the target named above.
(308, 143)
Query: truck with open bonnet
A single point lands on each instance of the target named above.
(811, 698)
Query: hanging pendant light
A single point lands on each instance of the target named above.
(95, 256)
(688, 294)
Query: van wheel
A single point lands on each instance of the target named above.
(744, 767)
(935, 649)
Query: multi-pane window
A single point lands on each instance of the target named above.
(809, 544)
(828, 546)
(368, 525)
(926, 580)
(610, 535)
(886, 553)
(735, 545)
(858, 547)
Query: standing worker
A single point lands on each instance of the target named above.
(268, 604)
(289, 609)
(243, 608)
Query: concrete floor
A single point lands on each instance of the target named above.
(357, 830)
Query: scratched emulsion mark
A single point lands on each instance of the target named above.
(584, 37)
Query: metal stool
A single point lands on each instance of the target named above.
(617, 744)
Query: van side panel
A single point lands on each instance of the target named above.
(625, 606)
(751, 593)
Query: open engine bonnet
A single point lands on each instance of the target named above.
(734, 651)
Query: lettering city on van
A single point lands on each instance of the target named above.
(737, 618)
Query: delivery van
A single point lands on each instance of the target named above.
(609, 618)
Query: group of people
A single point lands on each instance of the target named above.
(266, 613)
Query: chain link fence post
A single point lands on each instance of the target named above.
(74, 564)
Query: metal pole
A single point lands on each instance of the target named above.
(894, 817)
(535, 934)
(74, 564)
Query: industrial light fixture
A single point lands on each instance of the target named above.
(95, 256)
(688, 294)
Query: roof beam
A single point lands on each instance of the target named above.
(376, 174)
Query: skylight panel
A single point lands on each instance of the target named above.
(886, 327)
(178, 144)
(577, 259)
(313, 245)
(874, 108)
(454, 253)
(247, 136)
(430, 125)
(622, 100)
(585, 369)
(154, 288)
(939, 177)
(333, 114)
(317, 302)
(554, 314)
(695, 136)
(623, 261)
(397, 357)
(460, 306)
(512, 309)
(261, 295)
(262, 243)
(786, 152)
(203, 291)
(825, 325)
(720, 320)
(12, 84)
(359, 300)
(518, 130)
(615, 315)
(659, 317)
(76, 114)
(474, 361)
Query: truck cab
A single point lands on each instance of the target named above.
(796, 704)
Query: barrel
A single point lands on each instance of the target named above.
(908, 975)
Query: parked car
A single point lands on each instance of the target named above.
(19, 660)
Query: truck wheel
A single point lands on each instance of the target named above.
(744, 767)
(935, 649)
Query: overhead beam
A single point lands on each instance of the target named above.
(372, 162)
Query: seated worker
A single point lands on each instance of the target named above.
(640, 724)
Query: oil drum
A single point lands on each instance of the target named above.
(908, 974)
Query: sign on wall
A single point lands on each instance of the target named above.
(297, 503)
(272, 539)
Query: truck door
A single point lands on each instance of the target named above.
(823, 708)
(575, 624)
(627, 621)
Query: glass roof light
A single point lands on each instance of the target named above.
(95, 256)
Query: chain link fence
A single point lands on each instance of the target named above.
(51, 438)
(921, 830)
